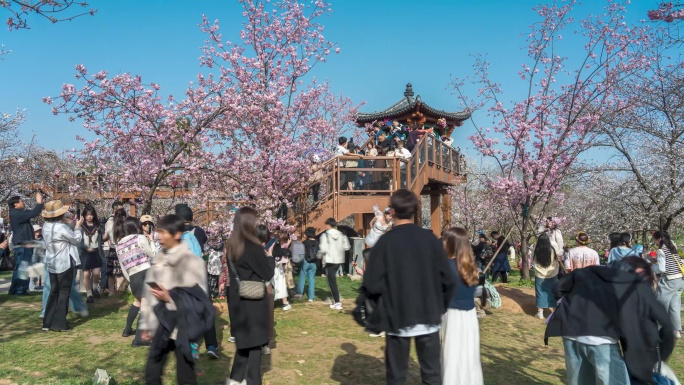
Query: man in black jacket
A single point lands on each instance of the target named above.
(600, 307)
(409, 274)
(22, 231)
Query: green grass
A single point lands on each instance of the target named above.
(315, 346)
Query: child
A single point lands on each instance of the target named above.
(176, 269)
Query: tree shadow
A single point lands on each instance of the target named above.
(515, 365)
(526, 302)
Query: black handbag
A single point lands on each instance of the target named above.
(367, 312)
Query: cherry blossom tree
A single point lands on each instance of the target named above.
(53, 10)
(668, 12)
(252, 120)
(537, 139)
(648, 135)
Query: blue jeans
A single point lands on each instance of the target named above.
(670, 295)
(75, 300)
(594, 364)
(307, 270)
(20, 286)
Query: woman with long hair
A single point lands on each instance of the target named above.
(545, 263)
(460, 332)
(91, 252)
(115, 278)
(135, 253)
(671, 284)
(249, 317)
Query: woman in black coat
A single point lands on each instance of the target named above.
(249, 318)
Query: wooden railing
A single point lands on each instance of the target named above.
(379, 176)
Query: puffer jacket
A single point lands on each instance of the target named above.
(332, 246)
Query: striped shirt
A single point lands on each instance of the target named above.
(668, 264)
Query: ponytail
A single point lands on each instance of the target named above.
(664, 237)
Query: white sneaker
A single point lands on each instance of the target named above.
(381, 334)
(678, 334)
(83, 313)
(287, 307)
(311, 300)
(231, 339)
(336, 306)
(540, 315)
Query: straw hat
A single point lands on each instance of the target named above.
(146, 218)
(53, 209)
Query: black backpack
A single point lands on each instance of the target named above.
(311, 251)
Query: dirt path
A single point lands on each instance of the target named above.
(517, 300)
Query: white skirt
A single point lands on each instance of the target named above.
(279, 283)
(460, 336)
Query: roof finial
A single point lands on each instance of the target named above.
(409, 91)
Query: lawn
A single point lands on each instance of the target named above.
(315, 346)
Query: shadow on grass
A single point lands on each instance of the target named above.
(354, 368)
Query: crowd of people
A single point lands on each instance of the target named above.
(422, 288)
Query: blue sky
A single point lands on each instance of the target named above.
(384, 44)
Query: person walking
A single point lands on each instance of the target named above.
(196, 239)
(460, 332)
(61, 257)
(91, 251)
(135, 255)
(604, 313)
(22, 231)
(308, 268)
(670, 266)
(332, 247)
(409, 274)
(545, 262)
(248, 262)
(176, 283)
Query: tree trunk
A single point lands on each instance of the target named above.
(147, 204)
(523, 249)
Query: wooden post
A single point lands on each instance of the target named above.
(446, 210)
(435, 223)
(359, 225)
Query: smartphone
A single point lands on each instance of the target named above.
(153, 285)
(78, 212)
(270, 243)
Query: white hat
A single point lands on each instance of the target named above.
(36, 228)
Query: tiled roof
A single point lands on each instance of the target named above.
(408, 104)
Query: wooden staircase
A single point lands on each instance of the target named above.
(432, 167)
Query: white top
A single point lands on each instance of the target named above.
(582, 256)
(341, 151)
(61, 246)
(593, 340)
(556, 237)
(403, 153)
(109, 230)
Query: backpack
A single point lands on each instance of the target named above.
(191, 240)
(312, 252)
(493, 295)
(298, 252)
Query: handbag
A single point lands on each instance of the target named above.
(248, 289)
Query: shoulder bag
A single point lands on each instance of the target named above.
(248, 289)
